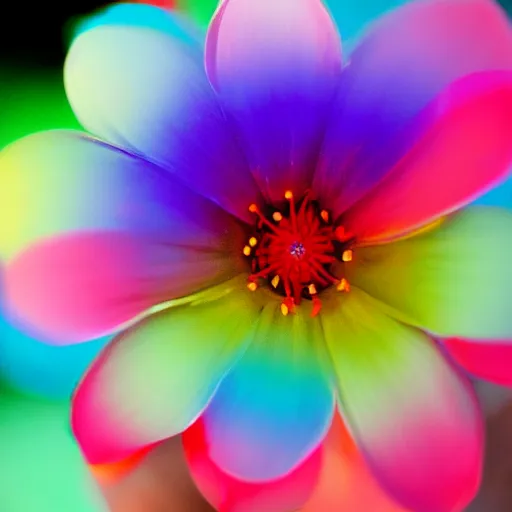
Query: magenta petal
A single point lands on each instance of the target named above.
(408, 58)
(96, 236)
(465, 148)
(275, 66)
(145, 90)
(228, 494)
(489, 360)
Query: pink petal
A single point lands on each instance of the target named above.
(464, 150)
(146, 90)
(486, 359)
(154, 380)
(406, 60)
(229, 494)
(345, 483)
(96, 236)
(414, 418)
(275, 66)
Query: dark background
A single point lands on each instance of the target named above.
(32, 33)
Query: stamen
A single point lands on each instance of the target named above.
(294, 253)
(343, 286)
(347, 256)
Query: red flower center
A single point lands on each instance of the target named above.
(294, 249)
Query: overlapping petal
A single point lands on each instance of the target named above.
(463, 150)
(345, 482)
(147, 91)
(276, 66)
(92, 236)
(275, 407)
(228, 494)
(406, 60)
(413, 417)
(154, 380)
(453, 281)
(486, 359)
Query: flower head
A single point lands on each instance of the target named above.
(278, 231)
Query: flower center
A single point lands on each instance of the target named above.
(294, 250)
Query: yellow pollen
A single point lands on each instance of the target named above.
(343, 286)
(347, 255)
(252, 286)
(288, 194)
(325, 215)
(247, 250)
(284, 309)
(312, 289)
(277, 216)
(253, 208)
(275, 281)
(253, 241)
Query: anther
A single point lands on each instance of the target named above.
(325, 215)
(253, 241)
(288, 195)
(347, 255)
(343, 286)
(312, 289)
(284, 309)
(275, 281)
(277, 216)
(253, 208)
(247, 251)
(252, 286)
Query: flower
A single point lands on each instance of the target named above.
(279, 234)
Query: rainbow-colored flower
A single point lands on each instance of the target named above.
(279, 232)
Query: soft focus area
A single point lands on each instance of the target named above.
(42, 469)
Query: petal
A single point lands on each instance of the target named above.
(345, 482)
(489, 360)
(154, 379)
(146, 91)
(93, 236)
(414, 418)
(231, 495)
(142, 15)
(277, 84)
(453, 281)
(408, 58)
(274, 408)
(465, 148)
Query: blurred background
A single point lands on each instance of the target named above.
(40, 466)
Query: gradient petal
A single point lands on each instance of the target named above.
(275, 407)
(93, 236)
(414, 418)
(148, 92)
(228, 494)
(345, 482)
(464, 150)
(486, 359)
(276, 66)
(453, 281)
(406, 60)
(154, 380)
